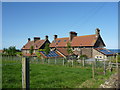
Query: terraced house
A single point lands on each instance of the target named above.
(90, 45)
(37, 43)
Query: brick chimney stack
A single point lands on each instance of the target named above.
(97, 32)
(28, 39)
(36, 38)
(55, 36)
(46, 37)
(72, 35)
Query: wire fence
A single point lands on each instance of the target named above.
(98, 67)
(12, 60)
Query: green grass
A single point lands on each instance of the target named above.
(45, 76)
(11, 76)
(11, 60)
(95, 83)
(51, 76)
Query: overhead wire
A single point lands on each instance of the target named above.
(88, 16)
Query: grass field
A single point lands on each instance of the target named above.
(50, 76)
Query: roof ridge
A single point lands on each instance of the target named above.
(78, 36)
(36, 44)
(63, 38)
(86, 35)
(37, 40)
(42, 43)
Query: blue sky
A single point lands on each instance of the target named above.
(24, 20)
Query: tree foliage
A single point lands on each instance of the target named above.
(114, 60)
(38, 54)
(41, 50)
(19, 54)
(10, 51)
(47, 48)
(31, 50)
(83, 57)
(69, 48)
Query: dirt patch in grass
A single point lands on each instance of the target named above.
(95, 83)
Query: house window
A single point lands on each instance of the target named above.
(73, 48)
(58, 40)
(64, 40)
(97, 57)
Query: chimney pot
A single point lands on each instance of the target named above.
(72, 35)
(55, 36)
(36, 38)
(46, 37)
(28, 39)
(97, 31)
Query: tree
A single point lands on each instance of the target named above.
(31, 50)
(5, 51)
(47, 48)
(10, 51)
(69, 48)
(19, 54)
(38, 54)
(41, 50)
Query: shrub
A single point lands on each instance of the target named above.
(83, 56)
(114, 61)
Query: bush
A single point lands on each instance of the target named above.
(83, 56)
(114, 61)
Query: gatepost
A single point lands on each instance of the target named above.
(25, 73)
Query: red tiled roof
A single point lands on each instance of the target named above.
(99, 48)
(36, 45)
(87, 40)
(63, 51)
(60, 42)
(1, 51)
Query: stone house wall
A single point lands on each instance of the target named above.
(99, 55)
(86, 51)
(27, 51)
(83, 51)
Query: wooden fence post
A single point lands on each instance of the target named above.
(25, 73)
(93, 70)
(117, 63)
(43, 61)
(48, 61)
(72, 63)
(95, 63)
(83, 62)
(63, 61)
(104, 67)
(110, 66)
(55, 60)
